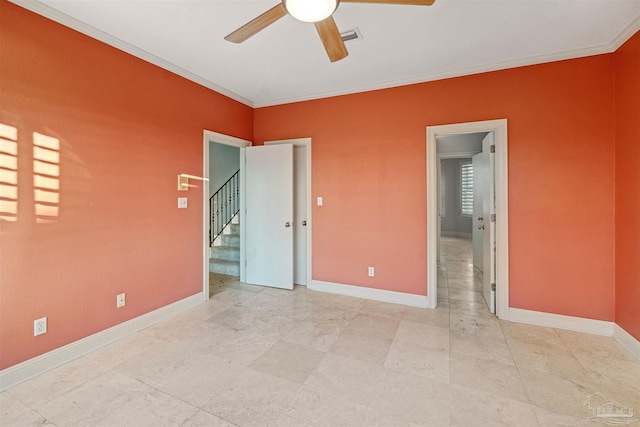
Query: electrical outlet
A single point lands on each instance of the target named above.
(120, 301)
(39, 326)
(371, 272)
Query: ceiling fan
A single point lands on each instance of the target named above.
(320, 12)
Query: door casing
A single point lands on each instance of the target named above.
(499, 127)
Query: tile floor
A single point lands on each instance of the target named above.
(256, 356)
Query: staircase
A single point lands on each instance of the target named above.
(224, 257)
(224, 231)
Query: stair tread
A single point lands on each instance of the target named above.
(225, 247)
(223, 261)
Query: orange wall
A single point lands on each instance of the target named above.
(126, 129)
(369, 163)
(627, 186)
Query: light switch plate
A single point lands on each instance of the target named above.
(319, 201)
(182, 202)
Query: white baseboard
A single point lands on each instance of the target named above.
(559, 321)
(58, 357)
(370, 293)
(626, 340)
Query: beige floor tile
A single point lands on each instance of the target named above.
(253, 398)
(406, 399)
(327, 313)
(465, 294)
(15, 413)
(476, 408)
(532, 334)
(494, 378)
(481, 346)
(262, 357)
(377, 326)
(428, 336)
(292, 362)
(368, 348)
(113, 399)
(594, 346)
(477, 309)
(271, 325)
(194, 382)
(313, 408)
(550, 359)
(205, 419)
(556, 396)
(45, 387)
(320, 334)
(436, 317)
(244, 347)
(126, 348)
(154, 366)
(384, 309)
(419, 359)
(466, 325)
(346, 378)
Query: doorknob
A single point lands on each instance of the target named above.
(287, 224)
(304, 223)
(480, 218)
(481, 227)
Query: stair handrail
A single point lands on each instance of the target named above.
(223, 206)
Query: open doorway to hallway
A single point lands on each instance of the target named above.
(460, 246)
(492, 218)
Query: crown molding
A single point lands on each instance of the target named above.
(61, 18)
(57, 16)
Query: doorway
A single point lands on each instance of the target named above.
(498, 129)
(208, 139)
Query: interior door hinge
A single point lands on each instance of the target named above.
(493, 217)
(492, 148)
(493, 287)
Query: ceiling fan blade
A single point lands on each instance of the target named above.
(407, 2)
(258, 24)
(331, 39)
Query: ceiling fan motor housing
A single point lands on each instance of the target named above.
(311, 10)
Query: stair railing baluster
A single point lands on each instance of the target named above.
(223, 206)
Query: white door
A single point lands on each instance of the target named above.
(300, 214)
(489, 231)
(480, 166)
(269, 215)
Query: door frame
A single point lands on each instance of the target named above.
(220, 138)
(499, 127)
(307, 143)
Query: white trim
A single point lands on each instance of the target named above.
(499, 127)
(625, 35)
(370, 293)
(626, 340)
(58, 357)
(220, 138)
(304, 142)
(559, 321)
(66, 20)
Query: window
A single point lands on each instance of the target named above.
(466, 188)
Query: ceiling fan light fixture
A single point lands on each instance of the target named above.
(310, 10)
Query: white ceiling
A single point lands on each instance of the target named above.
(401, 44)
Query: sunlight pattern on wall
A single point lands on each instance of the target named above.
(8, 173)
(46, 177)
